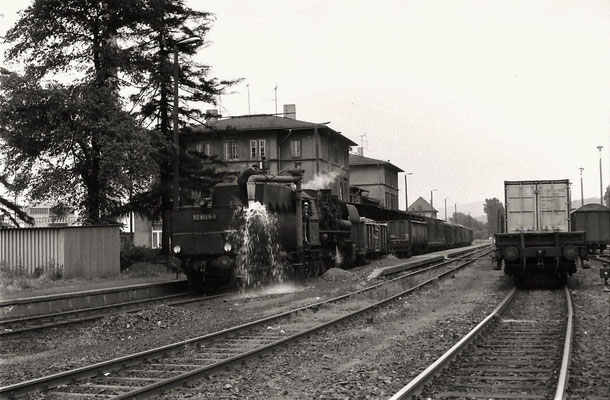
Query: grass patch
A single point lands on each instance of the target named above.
(19, 279)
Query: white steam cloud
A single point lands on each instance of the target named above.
(321, 181)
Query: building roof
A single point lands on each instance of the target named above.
(260, 122)
(355, 160)
(421, 205)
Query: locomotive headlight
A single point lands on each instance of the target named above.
(228, 247)
(177, 249)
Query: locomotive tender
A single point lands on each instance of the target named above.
(537, 240)
(316, 230)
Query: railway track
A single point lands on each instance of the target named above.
(150, 372)
(520, 351)
(601, 258)
(15, 326)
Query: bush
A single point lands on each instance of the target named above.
(133, 254)
(18, 278)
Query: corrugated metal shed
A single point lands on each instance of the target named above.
(88, 251)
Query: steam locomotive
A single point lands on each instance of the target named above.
(315, 230)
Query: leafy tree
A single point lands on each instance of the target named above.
(479, 230)
(167, 24)
(112, 43)
(494, 209)
(70, 144)
(607, 197)
(10, 210)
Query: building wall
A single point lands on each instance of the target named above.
(330, 160)
(380, 181)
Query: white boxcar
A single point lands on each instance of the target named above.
(537, 206)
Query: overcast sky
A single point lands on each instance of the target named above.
(464, 94)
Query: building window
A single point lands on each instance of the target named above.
(156, 238)
(204, 148)
(229, 151)
(295, 148)
(258, 148)
(252, 149)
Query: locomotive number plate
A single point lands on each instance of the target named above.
(204, 217)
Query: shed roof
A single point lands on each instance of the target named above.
(355, 160)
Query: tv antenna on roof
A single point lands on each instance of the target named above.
(275, 90)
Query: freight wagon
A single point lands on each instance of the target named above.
(537, 240)
(594, 219)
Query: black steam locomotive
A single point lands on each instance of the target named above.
(315, 231)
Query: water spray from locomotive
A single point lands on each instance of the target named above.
(259, 257)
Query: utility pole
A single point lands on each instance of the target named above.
(275, 90)
(432, 201)
(582, 196)
(407, 191)
(455, 213)
(446, 208)
(248, 86)
(601, 185)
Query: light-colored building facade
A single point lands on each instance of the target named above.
(45, 217)
(379, 178)
(281, 141)
(422, 207)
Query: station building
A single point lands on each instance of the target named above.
(281, 142)
(377, 178)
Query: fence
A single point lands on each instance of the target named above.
(89, 251)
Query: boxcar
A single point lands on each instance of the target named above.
(594, 219)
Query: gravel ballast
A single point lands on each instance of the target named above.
(370, 357)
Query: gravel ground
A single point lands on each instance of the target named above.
(371, 357)
(590, 367)
(40, 353)
(368, 358)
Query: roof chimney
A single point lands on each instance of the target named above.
(361, 151)
(290, 111)
(211, 116)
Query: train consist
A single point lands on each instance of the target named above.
(537, 241)
(315, 231)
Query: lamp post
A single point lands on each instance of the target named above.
(176, 191)
(446, 208)
(406, 191)
(432, 201)
(582, 196)
(601, 189)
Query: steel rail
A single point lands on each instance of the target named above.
(90, 371)
(562, 384)
(416, 385)
(180, 379)
(88, 318)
